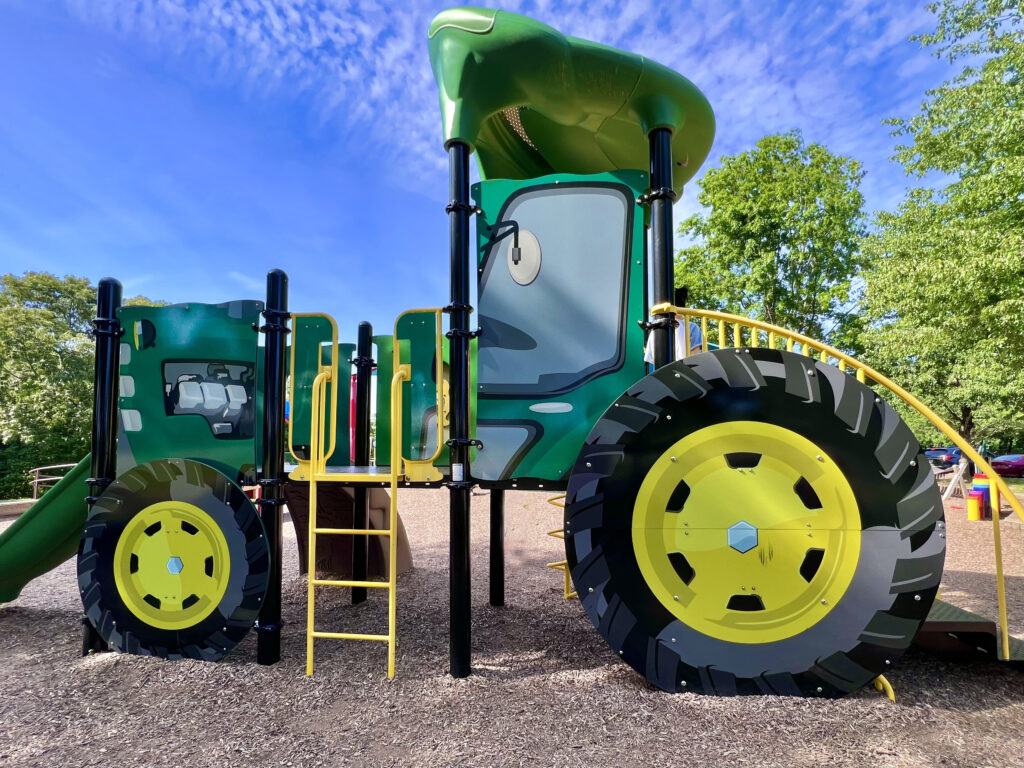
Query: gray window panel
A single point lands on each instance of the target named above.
(565, 326)
(502, 445)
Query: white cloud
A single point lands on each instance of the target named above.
(362, 65)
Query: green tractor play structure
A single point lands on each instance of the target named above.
(754, 518)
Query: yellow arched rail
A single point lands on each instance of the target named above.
(754, 333)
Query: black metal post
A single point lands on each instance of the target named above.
(364, 370)
(107, 331)
(275, 329)
(662, 196)
(459, 486)
(497, 575)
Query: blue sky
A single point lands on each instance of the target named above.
(188, 146)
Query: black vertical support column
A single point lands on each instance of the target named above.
(459, 486)
(662, 258)
(275, 329)
(497, 575)
(364, 369)
(107, 331)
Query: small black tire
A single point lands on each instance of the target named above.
(895, 574)
(179, 500)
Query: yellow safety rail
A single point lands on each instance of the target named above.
(333, 369)
(752, 331)
(318, 473)
(423, 469)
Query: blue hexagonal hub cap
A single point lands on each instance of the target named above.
(174, 565)
(742, 536)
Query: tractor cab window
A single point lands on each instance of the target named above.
(552, 309)
(220, 391)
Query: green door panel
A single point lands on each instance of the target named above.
(559, 333)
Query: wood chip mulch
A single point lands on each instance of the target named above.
(546, 690)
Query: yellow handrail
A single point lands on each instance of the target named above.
(439, 376)
(845, 362)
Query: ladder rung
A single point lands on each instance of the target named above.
(354, 531)
(350, 636)
(367, 584)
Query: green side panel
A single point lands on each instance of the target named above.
(532, 101)
(190, 378)
(385, 370)
(312, 339)
(417, 332)
(555, 351)
(46, 535)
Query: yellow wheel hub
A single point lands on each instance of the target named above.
(171, 565)
(747, 532)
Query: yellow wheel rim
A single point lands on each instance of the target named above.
(747, 532)
(171, 565)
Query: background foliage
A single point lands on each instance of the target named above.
(46, 369)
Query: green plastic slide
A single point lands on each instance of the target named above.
(46, 535)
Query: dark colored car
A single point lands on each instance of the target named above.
(1010, 465)
(943, 457)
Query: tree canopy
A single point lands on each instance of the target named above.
(781, 237)
(46, 370)
(945, 292)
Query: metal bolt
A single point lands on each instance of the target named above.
(590, 589)
(682, 683)
(807, 524)
(887, 662)
(668, 417)
(620, 653)
(821, 458)
(679, 376)
(819, 689)
(673, 639)
(824, 602)
(753, 589)
(672, 458)
(588, 465)
(913, 463)
(686, 533)
(675, 597)
(917, 598)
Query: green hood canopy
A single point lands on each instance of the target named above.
(531, 101)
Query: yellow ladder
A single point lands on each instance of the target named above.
(317, 474)
(314, 470)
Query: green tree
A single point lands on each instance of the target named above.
(945, 293)
(780, 241)
(46, 370)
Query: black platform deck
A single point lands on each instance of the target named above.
(958, 635)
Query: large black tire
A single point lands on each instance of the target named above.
(901, 542)
(192, 506)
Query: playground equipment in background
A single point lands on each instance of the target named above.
(755, 518)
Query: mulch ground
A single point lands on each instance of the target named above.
(546, 690)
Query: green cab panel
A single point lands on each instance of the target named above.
(190, 378)
(559, 334)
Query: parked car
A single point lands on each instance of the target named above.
(1010, 465)
(941, 458)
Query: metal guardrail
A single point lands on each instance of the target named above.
(40, 479)
(754, 333)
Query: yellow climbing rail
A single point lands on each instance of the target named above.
(562, 565)
(754, 333)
